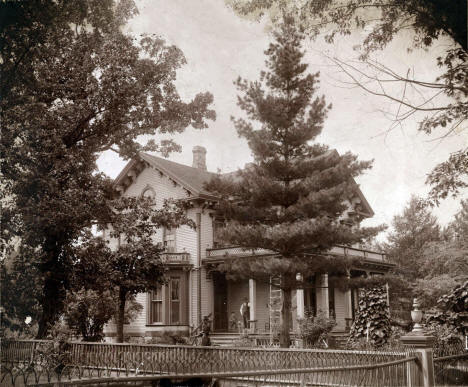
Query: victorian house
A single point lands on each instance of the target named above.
(195, 289)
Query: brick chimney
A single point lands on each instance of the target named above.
(199, 157)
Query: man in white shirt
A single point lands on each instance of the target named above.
(245, 312)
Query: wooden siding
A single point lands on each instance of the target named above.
(185, 240)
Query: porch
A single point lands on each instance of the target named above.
(317, 296)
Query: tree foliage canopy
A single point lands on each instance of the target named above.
(430, 260)
(380, 22)
(73, 86)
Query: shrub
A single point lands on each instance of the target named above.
(244, 341)
(452, 310)
(315, 329)
(88, 311)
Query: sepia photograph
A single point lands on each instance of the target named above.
(234, 193)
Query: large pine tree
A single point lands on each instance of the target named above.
(292, 199)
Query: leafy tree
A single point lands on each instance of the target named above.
(458, 228)
(73, 86)
(134, 265)
(412, 230)
(444, 262)
(291, 200)
(428, 20)
(430, 261)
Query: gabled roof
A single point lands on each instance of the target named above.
(194, 179)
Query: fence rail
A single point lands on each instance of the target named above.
(194, 359)
(100, 362)
(451, 370)
(95, 361)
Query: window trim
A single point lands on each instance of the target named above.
(148, 188)
(150, 306)
(183, 302)
(178, 301)
(217, 243)
(173, 239)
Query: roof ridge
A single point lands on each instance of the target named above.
(175, 162)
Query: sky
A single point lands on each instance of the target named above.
(219, 47)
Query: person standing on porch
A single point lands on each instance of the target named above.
(245, 312)
(205, 332)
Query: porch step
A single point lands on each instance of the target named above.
(223, 339)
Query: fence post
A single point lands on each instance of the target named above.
(421, 341)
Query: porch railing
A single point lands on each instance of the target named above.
(175, 258)
(237, 251)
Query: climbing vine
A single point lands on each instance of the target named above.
(372, 321)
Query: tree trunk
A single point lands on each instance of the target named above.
(52, 303)
(285, 338)
(121, 315)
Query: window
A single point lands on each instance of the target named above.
(148, 192)
(175, 300)
(168, 304)
(169, 240)
(218, 225)
(156, 305)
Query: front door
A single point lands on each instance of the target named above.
(220, 317)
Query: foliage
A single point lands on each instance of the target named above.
(20, 292)
(244, 341)
(393, 342)
(453, 310)
(447, 340)
(315, 329)
(373, 317)
(428, 21)
(430, 261)
(135, 265)
(412, 230)
(87, 312)
(449, 177)
(53, 354)
(75, 85)
(292, 198)
(458, 228)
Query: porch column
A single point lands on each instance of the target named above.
(253, 303)
(322, 294)
(348, 307)
(300, 299)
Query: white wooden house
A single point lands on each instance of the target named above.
(194, 288)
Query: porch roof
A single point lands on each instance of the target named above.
(370, 259)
